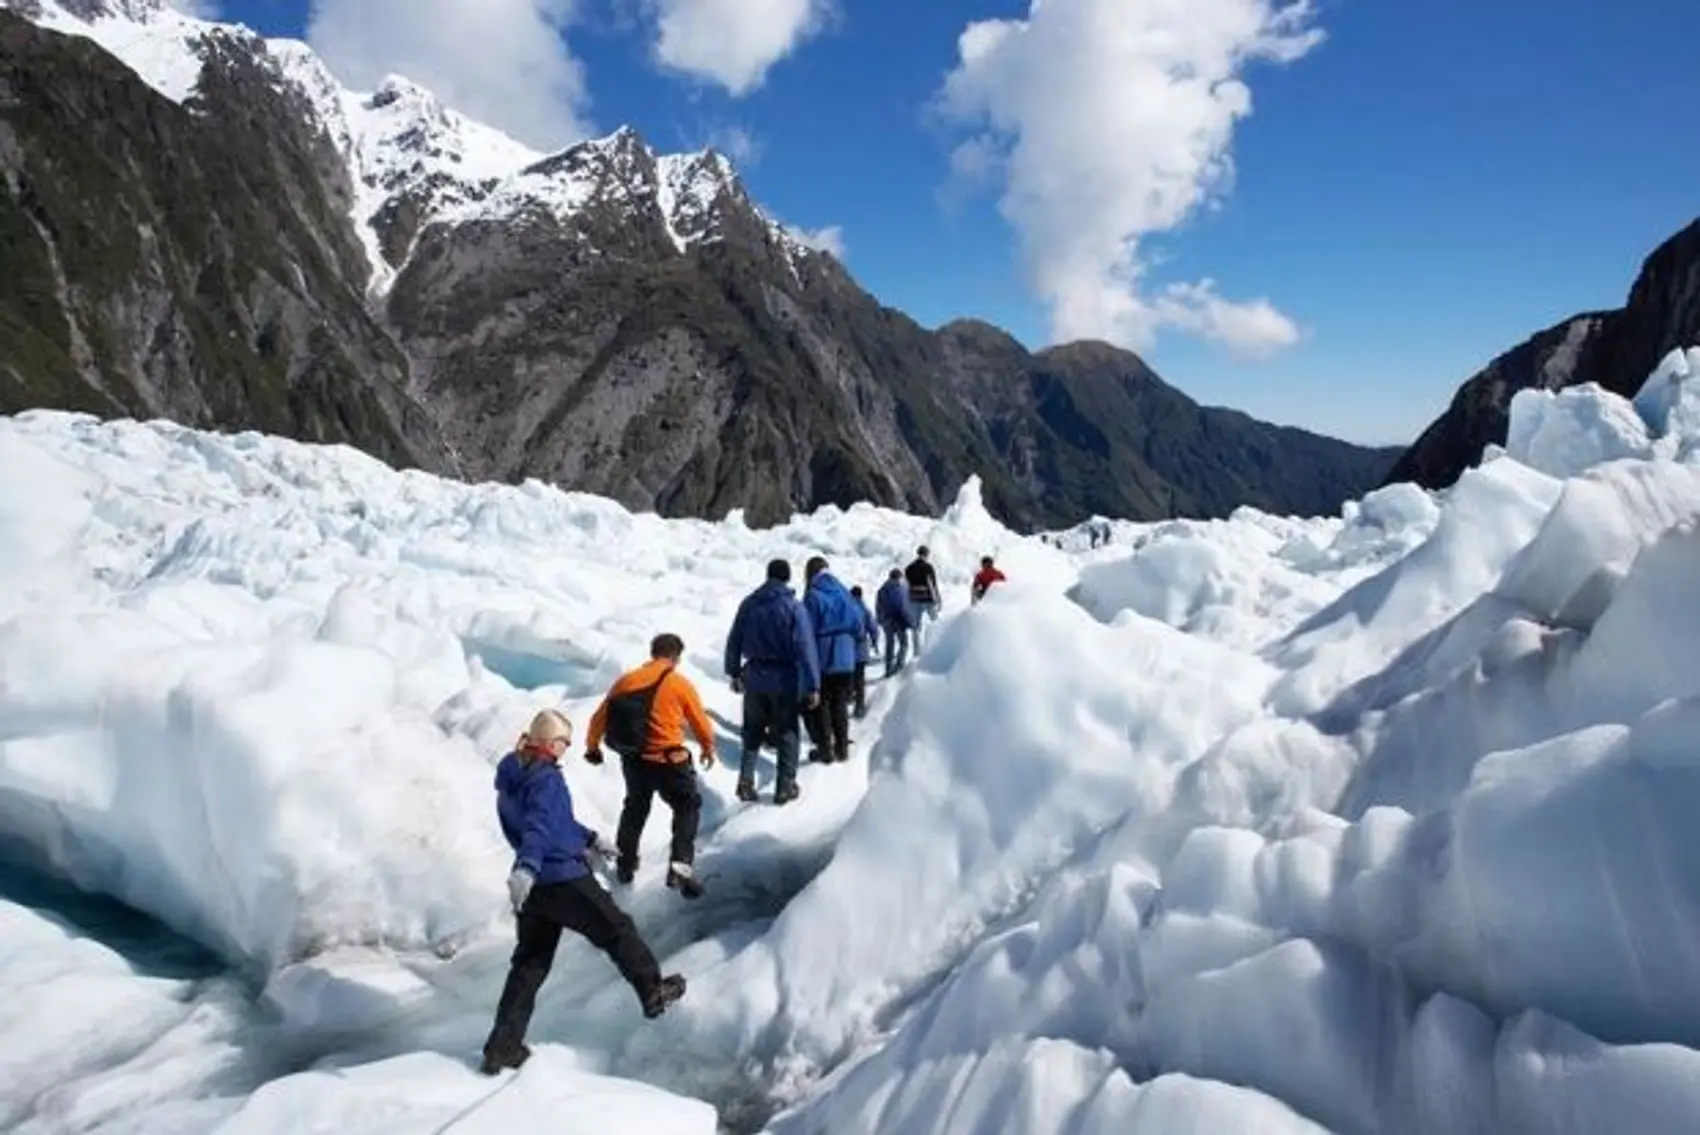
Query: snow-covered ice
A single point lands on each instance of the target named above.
(1377, 822)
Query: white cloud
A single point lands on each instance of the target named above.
(734, 42)
(504, 62)
(1109, 121)
(828, 239)
(737, 144)
(200, 9)
(1253, 330)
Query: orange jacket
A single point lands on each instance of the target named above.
(676, 705)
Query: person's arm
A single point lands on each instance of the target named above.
(803, 638)
(584, 835)
(548, 810)
(735, 644)
(701, 727)
(598, 727)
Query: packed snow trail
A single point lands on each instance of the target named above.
(1370, 824)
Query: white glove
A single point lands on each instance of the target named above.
(519, 887)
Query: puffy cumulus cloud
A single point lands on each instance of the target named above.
(734, 42)
(827, 239)
(1105, 122)
(504, 62)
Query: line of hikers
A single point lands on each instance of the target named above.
(791, 660)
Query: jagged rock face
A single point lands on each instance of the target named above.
(589, 349)
(191, 266)
(380, 270)
(1616, 349)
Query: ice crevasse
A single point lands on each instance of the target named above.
(1373, 823)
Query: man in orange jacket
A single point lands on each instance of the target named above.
(643, 719)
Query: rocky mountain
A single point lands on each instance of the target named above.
(208, 227)
(1616, 349)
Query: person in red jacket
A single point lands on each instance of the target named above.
(984, 578)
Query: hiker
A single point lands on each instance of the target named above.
(837, 621)
(771, 661)
(897, 618)
(551, 889)
(923, 591)
(866, 643)
(643, 719)
(984, 579)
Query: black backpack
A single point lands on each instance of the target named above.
(627, 724)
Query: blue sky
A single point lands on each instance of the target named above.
(1423, 188)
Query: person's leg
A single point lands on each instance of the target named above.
(634, 814)
(677, 784)
(755, 728)
(861, 698)
(892, 638)
(815, 722)
(539, 935)
(588, 910)
(786, 742)
(836, 694)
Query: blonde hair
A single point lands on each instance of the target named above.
(546, 727)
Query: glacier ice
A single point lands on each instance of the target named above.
(1377, 822)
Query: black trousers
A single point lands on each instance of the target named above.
(770, 719)
(676, 784)
(829, 722)
(861, 690)
(579, 905)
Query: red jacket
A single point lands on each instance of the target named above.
(983, 580)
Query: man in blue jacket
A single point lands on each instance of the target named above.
(897, 618)
(838, 623)
(771, 660)
(551, 889)
(866, 643)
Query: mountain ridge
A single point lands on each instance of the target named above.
(1616, 348)
(633, 323)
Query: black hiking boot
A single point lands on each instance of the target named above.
(818, 756)
(785, 794)
(495, 1064)
(681, 878)
(747, 792)
(668, 990)
(625, 871)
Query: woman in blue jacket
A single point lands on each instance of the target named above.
(551, 890)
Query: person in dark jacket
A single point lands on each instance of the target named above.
(866, 643)
(551, 889)
(771, 659)
(896, 617)
(838, 623)
(924, 593)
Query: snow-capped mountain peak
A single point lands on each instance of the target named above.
(136, 11)
(159, 43)
(408, 153)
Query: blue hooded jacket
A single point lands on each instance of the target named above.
(536, 812)
(771, 645)
(868, 641)
(895, 610)
(838, 622)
